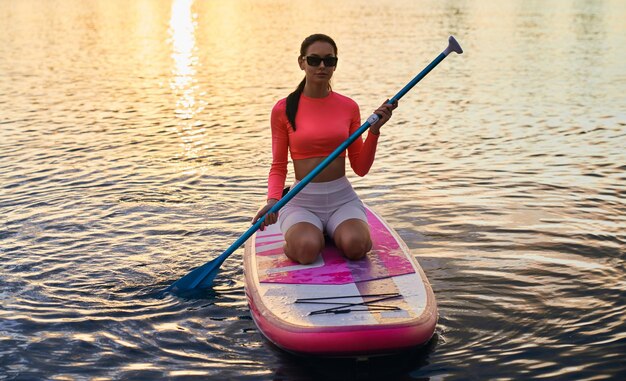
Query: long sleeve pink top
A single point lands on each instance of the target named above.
(322, 124)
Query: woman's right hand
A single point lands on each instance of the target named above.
(271, 218)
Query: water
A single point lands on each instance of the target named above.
(134, 146)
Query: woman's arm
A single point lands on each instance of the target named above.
(278, 170)
(280, 147)
(362, 154)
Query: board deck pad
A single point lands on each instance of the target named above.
(385, 260)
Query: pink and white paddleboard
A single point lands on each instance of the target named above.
(336, 307)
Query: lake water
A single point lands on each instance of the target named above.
(134, 146)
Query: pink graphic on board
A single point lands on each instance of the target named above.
(385, 260)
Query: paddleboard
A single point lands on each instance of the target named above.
(381, 304)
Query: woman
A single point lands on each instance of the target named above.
(311, 123)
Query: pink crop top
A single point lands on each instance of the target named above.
(322, 124)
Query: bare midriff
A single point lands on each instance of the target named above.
(335, 170)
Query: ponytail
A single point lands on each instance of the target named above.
(293, 100)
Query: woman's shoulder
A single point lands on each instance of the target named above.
(279, 111)
(280, 105)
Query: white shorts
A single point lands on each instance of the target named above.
(325, 205)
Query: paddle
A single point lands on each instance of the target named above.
(202, 277)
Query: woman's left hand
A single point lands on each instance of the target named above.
(384, 113)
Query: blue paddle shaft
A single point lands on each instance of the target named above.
(206, 273)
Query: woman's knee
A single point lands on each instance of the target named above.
(353, 240)
(306, 249)
(304, 246)
(356, 248)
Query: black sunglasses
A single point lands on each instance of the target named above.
(315, 61)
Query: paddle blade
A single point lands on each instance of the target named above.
(201, 277)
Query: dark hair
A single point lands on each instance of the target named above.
(293, 99)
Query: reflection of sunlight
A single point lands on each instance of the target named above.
(183, 82)
(182, 27)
